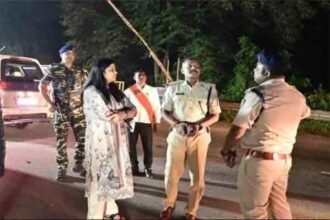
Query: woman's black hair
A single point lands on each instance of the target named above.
(97, 79)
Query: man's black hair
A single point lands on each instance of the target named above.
(272, 60)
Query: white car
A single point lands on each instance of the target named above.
(20, 100)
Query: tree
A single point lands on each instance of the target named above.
(97, 32)
(245, 62)
(30, 29)
(206, 29)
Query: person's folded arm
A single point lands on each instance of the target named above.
(94, 105)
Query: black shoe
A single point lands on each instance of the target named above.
(61, 175)
(78, 167)
(136, 172)
(148, 173)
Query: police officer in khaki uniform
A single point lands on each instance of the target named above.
(266, 127)
(190, 107)
(67, 80)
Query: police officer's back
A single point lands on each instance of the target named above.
(266, 126)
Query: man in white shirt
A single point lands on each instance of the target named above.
(266, 126)
(147, 103)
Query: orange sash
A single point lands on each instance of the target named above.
(142, 98)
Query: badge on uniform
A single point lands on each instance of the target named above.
(179, 93)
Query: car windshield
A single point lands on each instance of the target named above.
(20, 71)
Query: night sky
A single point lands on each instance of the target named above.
(31, 28)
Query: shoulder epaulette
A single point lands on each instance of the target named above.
(256, 90)
(56, 65)
(250, 89)
(176, 83)
(207, 84)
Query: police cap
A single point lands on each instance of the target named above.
(65, 48)
(271, 60)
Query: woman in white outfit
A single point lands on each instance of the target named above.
(109, 174)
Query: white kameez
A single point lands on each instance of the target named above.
(107, 160)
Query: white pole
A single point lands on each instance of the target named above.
(178, 69)
(153, 55)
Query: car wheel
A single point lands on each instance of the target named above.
(21, 125)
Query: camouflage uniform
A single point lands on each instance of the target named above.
(67, 88)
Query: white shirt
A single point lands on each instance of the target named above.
(152, 95)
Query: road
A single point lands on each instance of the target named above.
(29, 190)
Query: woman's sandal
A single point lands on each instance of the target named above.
(116, 216)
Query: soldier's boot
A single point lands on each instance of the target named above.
(61, 175)
(83, 172)
(78, 167)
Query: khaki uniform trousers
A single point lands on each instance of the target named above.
(182, 150)
(262, 186)
(99, 209)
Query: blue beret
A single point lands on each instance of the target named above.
(269, 59)
(65, 48)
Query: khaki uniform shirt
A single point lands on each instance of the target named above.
(276, 127)
(190, 104)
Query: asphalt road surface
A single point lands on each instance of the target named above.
(29, 190)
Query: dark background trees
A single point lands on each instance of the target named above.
(31, 28)
(209, 30)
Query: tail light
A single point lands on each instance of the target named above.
(3, 85)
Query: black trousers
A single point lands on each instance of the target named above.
(145, 132)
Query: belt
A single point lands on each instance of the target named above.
(199, 132)
(267, 155)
